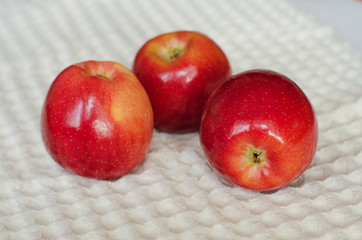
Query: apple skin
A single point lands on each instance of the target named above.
(179, 70)
(97, 120)
(259, 130)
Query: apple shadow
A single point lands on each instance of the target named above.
(297, 183)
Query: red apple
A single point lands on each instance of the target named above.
(179, 70)
(259, 130)
(97, 120)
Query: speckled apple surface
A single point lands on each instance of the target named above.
(174, 194)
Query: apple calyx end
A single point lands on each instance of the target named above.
(255, 157)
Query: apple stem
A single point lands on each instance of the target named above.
(102, 76)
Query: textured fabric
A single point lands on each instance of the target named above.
(174, 194)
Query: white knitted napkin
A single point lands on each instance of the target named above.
(174, 194)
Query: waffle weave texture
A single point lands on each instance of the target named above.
(174, 194)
